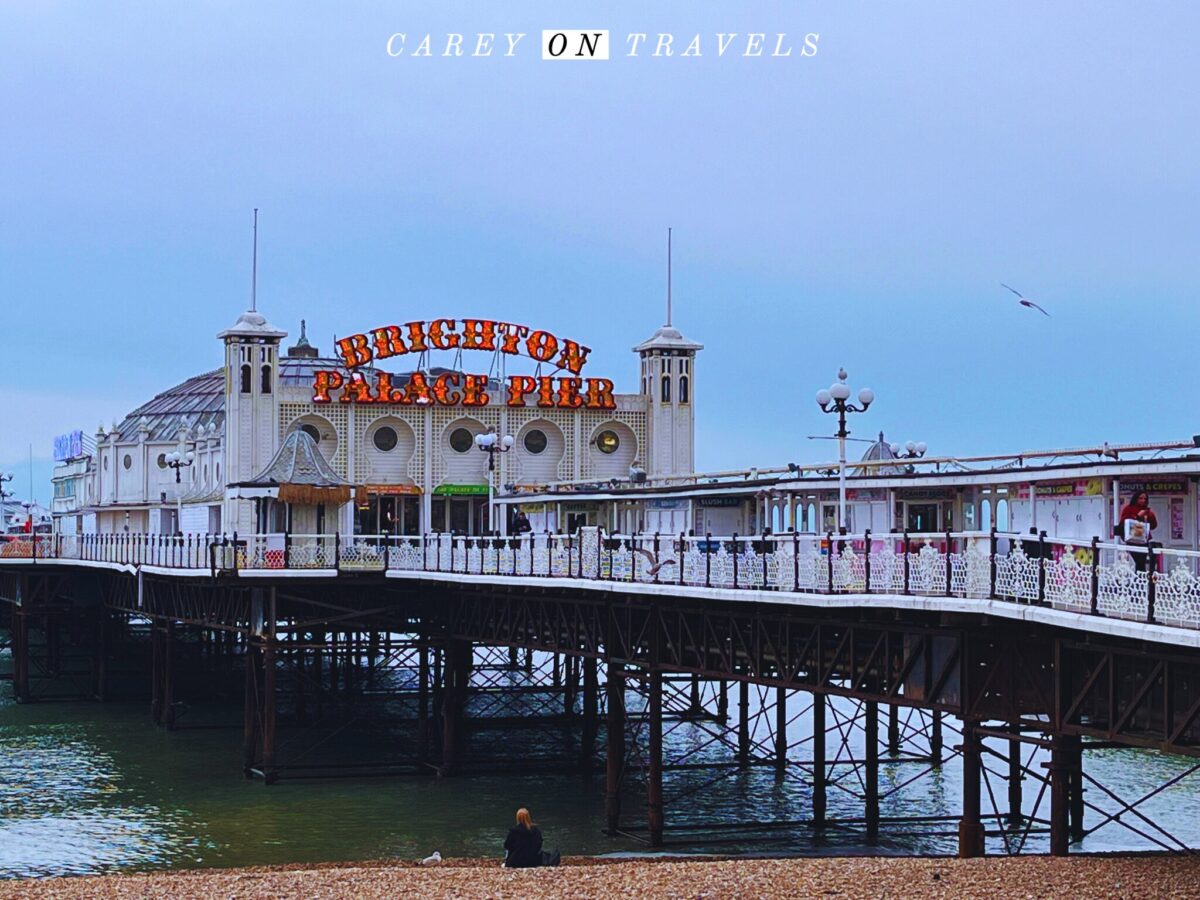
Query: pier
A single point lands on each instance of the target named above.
(1007, 657)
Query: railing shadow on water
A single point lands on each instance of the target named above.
(1137, 582)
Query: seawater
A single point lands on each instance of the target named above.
(95, 787)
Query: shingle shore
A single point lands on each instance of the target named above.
(1075, 877)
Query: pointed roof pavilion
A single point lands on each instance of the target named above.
(298, 473)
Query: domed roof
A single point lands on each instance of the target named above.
(252, 324)
(198, 403)
(667, 338)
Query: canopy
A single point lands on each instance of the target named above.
(298, 473)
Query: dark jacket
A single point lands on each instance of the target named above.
(524, 846)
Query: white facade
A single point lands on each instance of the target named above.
(417, 465)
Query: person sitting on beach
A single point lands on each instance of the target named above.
(523, 846)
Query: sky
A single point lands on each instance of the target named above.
(857, 208)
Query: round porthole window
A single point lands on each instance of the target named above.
(461, 440)
(608, 442)
(162, 460)
(385, 438)
(535, 440)
(127, 462)
(311, 431)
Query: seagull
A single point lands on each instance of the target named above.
(1023, 300)
(432, 860)
(655, 565)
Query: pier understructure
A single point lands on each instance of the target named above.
(760, 719)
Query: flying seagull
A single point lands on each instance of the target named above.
(1023, 300)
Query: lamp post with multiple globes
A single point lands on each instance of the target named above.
(178, 460)
(834, 400)
(491, 444)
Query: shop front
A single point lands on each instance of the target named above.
(389, 509)
(1172, 502)
(459, 509)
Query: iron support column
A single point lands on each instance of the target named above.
(457, 674)
(1014, 776)
(970, 827)
(781, 741)
(893, 739)
(615, 739)
(1065, 772)
(935, 738)
(20, 626)
(422, 700)
(818, 752)
(587, 746)
(268, 693)
(871, 775)
(743, 723)
(654, 784)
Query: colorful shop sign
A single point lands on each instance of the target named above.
(461, 490)
(68, 446)
(867, 494)
(1154, 486)
(392, 490)
(1083, 487)
(452, 388)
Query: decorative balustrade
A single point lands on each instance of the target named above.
(1122, 581)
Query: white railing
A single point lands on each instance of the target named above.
(1108, 579)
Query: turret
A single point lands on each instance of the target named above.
(251, 405)
(668, 382)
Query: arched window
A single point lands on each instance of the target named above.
(266, 379)
(246, 379)
(683, 389)
(666, 389)
(985, 514)
(1002, 515)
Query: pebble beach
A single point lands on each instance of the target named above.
(1075, 877)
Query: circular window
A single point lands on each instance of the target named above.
(608, 442)
(535, 440)
(162, 460)
(461, 440)
(127, 462)
(385, 438)
(311, 431)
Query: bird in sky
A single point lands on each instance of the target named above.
(1023, 300)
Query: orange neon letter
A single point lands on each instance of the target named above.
(355, 350)
(324, 381)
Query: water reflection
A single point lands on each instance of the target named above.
(87, 787)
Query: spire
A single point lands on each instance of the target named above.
(302, 348)
(254, 267)
(668, 277)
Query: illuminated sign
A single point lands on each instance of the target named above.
(68, 446)
(452, 388)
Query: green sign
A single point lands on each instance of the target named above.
(461, 490)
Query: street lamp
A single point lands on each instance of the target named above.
(179, 460)
(833, 400)
(911, 450)
(491, 444)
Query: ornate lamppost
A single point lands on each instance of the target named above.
(178, 460)
(491, 444)
(834, 400)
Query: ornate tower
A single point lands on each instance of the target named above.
(251, 407)
(668, 382)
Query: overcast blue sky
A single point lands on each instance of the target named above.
(858, 208)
